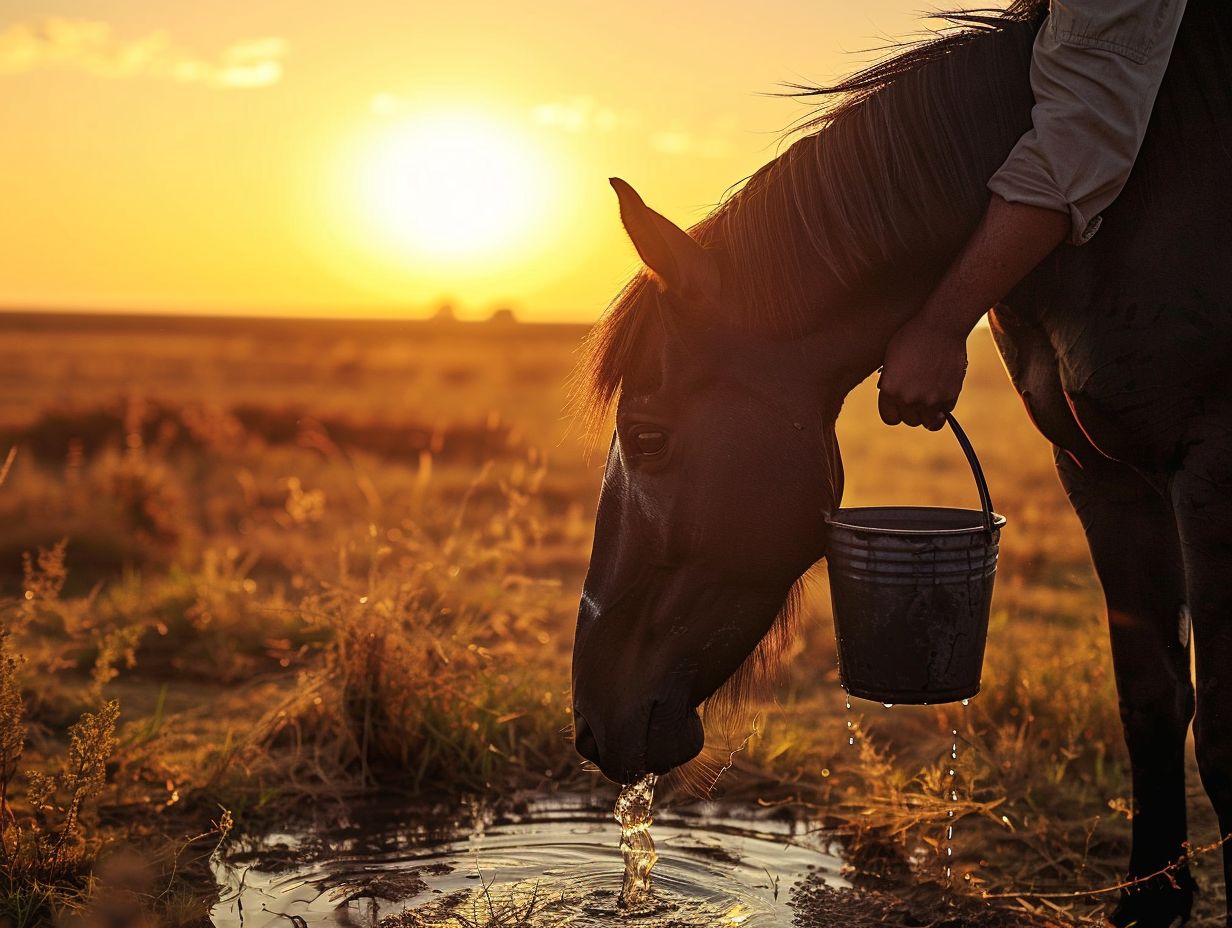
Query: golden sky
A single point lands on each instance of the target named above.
(380, 157)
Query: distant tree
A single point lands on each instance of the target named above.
(445, 313)
(503, 316)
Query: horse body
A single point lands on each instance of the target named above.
(1120, 350)
(724, 462)
(1137, 323)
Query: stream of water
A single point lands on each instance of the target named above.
(637, 846)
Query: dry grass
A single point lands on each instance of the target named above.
(378, 536)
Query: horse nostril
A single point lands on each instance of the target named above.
(584, 739)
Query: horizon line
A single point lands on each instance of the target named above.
(364, 314)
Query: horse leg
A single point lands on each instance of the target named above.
(1202, 500)
(1132, 535)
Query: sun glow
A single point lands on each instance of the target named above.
(444, 201)
(453, 186)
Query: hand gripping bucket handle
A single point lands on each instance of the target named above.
(976, 470)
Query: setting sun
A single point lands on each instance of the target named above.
(434, 200)
(452, 186)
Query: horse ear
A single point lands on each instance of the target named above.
(674, 256)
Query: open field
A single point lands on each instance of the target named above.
(307, 559)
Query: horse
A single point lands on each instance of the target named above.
(728, 357)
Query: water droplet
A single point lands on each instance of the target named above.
(888, 705)
(966, 702)
(851, 725)
(950, 814)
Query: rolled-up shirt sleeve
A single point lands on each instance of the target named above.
(1095, 71)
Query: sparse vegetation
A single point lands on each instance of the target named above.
(511, 908)
(378, 538)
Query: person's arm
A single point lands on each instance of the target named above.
(927, 358)
(1096, 68)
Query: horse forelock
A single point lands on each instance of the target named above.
(893, 165)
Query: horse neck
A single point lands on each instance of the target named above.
(847, 232)
(849, 327)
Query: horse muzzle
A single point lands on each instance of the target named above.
(626, 748)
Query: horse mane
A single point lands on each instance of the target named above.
(893, 167)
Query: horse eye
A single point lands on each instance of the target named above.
(650, 442)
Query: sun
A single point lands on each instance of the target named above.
(444, 200)
(453, 186)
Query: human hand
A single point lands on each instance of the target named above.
(922, 375)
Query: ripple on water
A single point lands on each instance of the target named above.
(553, 866)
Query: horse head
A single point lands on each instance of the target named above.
(720, 475)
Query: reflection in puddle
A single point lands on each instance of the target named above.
(551, 865)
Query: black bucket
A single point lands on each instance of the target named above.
(911, 588)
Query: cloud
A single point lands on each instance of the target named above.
(680, 142)
(252, 63)
(91, 46)
(585, 114)
(581, 114)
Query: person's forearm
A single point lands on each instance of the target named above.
(1010, 241)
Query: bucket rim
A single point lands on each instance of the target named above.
(913, 697)
(836, 520)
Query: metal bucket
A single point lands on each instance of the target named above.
(911, 588)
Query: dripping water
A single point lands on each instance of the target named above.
(949, 812)
(636, 845)
(949, 784)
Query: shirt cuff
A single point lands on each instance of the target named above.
(1024, 179)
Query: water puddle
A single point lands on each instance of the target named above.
(549, 865)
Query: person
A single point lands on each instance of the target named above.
(1096, 68)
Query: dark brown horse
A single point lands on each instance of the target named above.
(730, 357)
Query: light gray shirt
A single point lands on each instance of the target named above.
(1095, 71)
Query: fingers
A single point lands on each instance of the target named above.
(911, 415)
(894, 411)
(929, 415)
(916, 398)
(888, 408)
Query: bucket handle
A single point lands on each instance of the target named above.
(978, 472)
